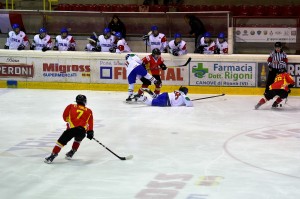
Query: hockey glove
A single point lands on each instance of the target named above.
(145, 37)
(44, 49)
(55, 48)
(6, 47)
(217, 51)
(163, 67)
(98, 48)
(165, 50)
(112, 50)
(21, 47)
(32, 47)
(157, 82)
(175, 53)
(71, 49)
(200, 49)
(90, 134)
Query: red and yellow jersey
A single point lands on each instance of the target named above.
(78, 115)
(282, 81)
(154, 64)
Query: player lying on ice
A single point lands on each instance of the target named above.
(281, 87)
(136, 70)
(176, 98)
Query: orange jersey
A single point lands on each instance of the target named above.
(78, 115)
(282, 81)
(154, 65)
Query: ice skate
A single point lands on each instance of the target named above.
(257, 106)
(150, 92)
(137, 96)
(275, 105)
(50, 158)
(130, 97)
(70, 154)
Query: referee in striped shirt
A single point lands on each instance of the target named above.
(277, 60)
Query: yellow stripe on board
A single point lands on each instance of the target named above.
(124, 87)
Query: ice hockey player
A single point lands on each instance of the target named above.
(221, 44)
(41, 41)
(107, 41)
(177, 46)
(156, 40)
(276, 60)
(122, 45)
(206, 45)
(92, 45)
(281, 86)
(16, 39)
(177, 98)
(80, 122)
(64, 41)
(136, 70)
(155, 63)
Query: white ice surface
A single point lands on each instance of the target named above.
(219, 149)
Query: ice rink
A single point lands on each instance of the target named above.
(219, 149)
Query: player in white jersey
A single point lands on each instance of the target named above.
(92, 45)
(41, 41)
(176, 98)
(16, 39)
(122, 45)
(107, 41)
(206, 45)
(156, 40)
(136, 70)
(64, 41)
(177, 46)
(222, 45)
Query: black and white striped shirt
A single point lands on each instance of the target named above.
(277, 60)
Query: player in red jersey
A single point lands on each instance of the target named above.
(80, 121)
(281, 86)
(156, 64)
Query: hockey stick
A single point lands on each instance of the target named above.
(121, 158)
(95, 36)
(208, 97)
(186, 63)
(149, 33)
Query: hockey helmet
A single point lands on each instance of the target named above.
(156, 51)
(14, 26)
(118, 35)
(64, 30)
(177, 35)
(278, 45)
(42, 30)
(81, 99)
(221, 35)
(106, 30)
(185, 90)
(154, 28)
(207, 34)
